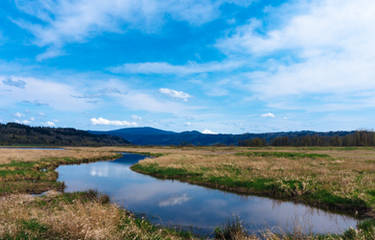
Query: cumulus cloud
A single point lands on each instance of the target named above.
(207, 131)
(19, 115)
(103, 121)
(268, 115)
(175, 93)
(166, 68)
(26, 122)
(50, 124)
(59, 18)
(318, 47)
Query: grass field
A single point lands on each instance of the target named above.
(335, 178)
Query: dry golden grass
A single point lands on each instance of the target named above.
(29, 155)
(52, 217)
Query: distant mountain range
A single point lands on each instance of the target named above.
(19, 134)
(153, 136)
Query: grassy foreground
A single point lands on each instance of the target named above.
(346, 175)
(86, 215)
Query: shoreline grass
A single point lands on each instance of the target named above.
(332, 180)
(282, 190)
(37, 176)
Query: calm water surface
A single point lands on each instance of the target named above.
(172, 203)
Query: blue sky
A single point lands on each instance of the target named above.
(228, 66)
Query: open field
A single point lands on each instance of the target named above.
(334, 178)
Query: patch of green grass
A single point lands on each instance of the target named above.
(31, 230)
(292, 155)
(164, 172)
(38, 176)
(150, 154)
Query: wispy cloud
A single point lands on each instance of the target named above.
(175, 93)
(75, 21)
(319, 47)
(41, 91)
(166, 68)
(103, 121)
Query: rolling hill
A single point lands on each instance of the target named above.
(19, 134)
(153, 136)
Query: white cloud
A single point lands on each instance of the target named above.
(50, 53)
(50, 124)
(75, 21)
(139, 99)
(37, 91)
(26, 122)
(175, 94)
(166, 68)
(318, 47)
(268, 115)
(18, 114)
(103, 121)
(206, 131)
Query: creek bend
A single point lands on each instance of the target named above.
(190, 207)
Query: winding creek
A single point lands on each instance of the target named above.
(173, 203)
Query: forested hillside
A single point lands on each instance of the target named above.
(18, 134)
(152, 136)
(357, 138)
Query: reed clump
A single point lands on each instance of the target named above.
(73, 216)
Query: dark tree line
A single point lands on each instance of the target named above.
(19, 134)
(357, 138)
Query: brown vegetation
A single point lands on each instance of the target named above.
(72, 216)
(7, 155)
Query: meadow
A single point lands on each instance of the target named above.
(338, 179)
